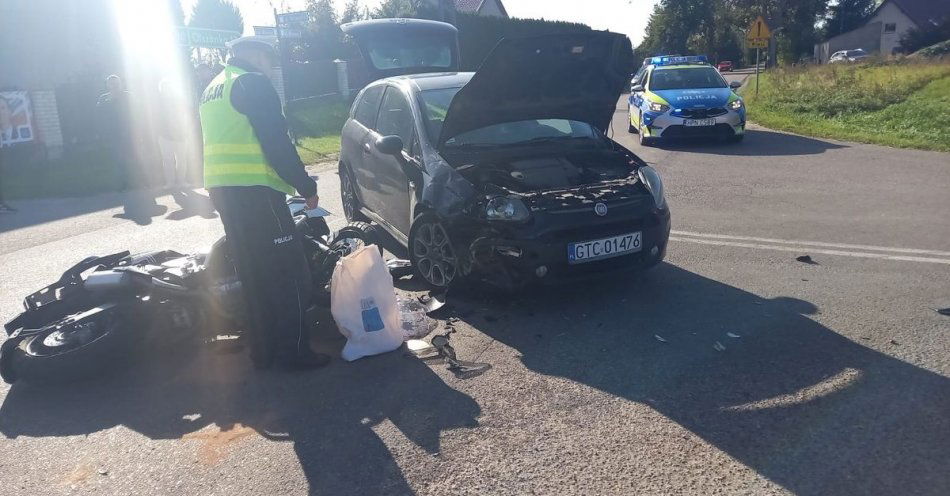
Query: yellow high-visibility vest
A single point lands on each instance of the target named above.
(232, 153)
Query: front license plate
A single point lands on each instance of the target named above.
(699, 122)
(598, 249)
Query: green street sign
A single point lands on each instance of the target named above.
(205, 38)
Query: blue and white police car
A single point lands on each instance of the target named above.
(673, 97)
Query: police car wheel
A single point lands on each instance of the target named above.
(630, 127)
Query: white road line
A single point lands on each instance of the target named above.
(813, 243)
(803, 249)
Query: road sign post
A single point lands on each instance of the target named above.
(757, 36)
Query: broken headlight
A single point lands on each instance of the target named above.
(507, 209)
(659, 107)
(651, 179)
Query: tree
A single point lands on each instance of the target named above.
(353, 12)
(216, 14)
(420, 9)
(924, 36)
(846, 15)
(323, 39)
(176, 12)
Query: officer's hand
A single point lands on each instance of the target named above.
(313, 202)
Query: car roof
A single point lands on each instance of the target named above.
(431, 80)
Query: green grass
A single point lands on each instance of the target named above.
(317, 123)
(904, 104)
(318, 149)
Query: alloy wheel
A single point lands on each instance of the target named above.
(433, 255)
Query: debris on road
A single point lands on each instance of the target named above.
(416, 324)
(102, 471)
(943, 311)
(461, 369)
(733, 335)
(399, 268)
(894, 342)
(718, 346)
(659, 338)
(806, 259)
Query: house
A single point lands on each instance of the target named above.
(881, 33)
(446, 9)
(487, 8)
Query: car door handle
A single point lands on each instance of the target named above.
(366, 148)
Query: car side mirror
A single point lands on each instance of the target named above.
(735, 85)
(636, 88)
(390, 145)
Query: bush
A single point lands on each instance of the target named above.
(924, 36)
(934, 51)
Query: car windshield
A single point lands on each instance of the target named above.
(685, 78)
(418, 51)
(435, 104)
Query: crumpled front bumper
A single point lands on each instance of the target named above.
(517, 256)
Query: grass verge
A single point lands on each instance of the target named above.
(318, 149)
(903, 104)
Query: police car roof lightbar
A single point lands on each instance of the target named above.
(676, 60)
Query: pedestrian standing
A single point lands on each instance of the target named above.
(119, 130)
(250, 165)
(173, 128)
(8, 133)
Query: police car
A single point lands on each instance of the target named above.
(673, 96)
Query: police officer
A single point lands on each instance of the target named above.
(250, 164)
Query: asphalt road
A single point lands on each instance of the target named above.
(836, 384)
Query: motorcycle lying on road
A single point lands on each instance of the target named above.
(105, 309)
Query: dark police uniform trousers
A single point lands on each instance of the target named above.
(272, 266)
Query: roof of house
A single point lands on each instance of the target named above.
(922, 12)
(473, 6)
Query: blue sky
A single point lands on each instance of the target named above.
(622, 16)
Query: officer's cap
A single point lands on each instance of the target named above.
(257, 42)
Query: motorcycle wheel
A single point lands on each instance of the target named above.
(71, 349)
(354, 236)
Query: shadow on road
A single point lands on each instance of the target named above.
(757, 142)
(790, 398)
(191, 204)
(215, 401)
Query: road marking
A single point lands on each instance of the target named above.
(814, 243)
(805, 249)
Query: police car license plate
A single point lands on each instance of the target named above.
(699, 122)
(599, 249)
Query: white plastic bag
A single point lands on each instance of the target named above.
(363, 304)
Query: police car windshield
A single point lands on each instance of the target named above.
(686, 78)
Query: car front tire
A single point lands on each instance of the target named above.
(431, 253)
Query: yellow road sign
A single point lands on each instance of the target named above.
(757, 43)
(758, 30)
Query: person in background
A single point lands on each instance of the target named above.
(8, 133)
(173, 127)
(250, 166)
(119, 130)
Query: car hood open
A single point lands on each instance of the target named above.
(576, 76)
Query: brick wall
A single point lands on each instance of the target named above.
(46, 118)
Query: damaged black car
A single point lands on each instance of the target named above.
(506, 175)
